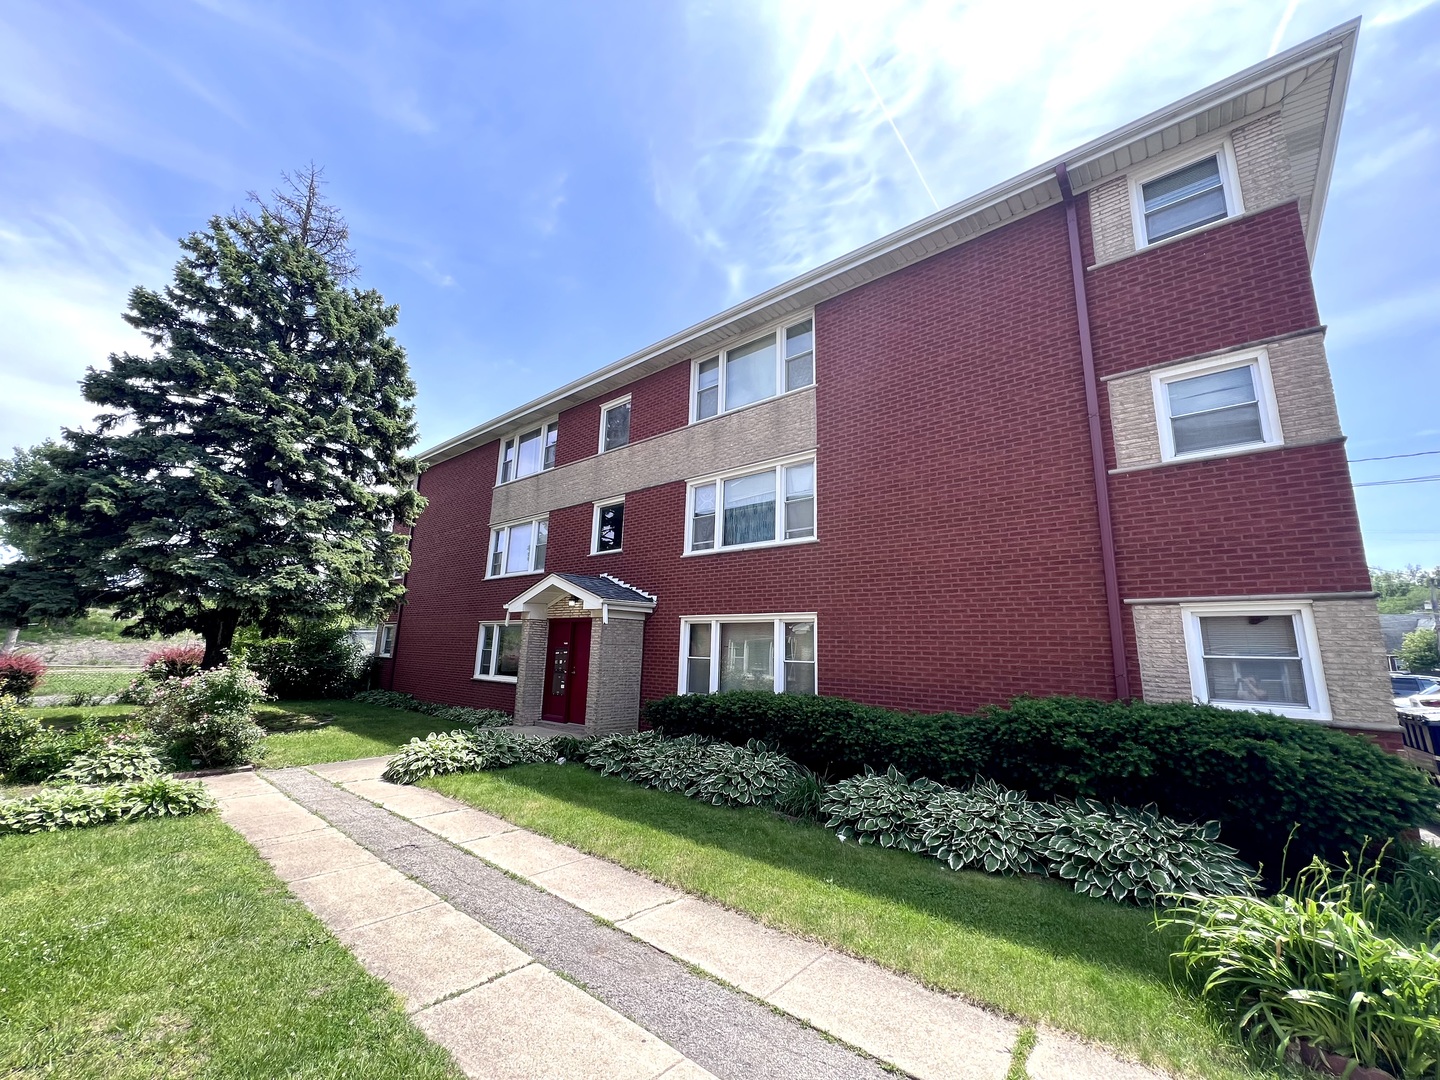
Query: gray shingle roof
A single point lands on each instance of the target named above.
(608, 588)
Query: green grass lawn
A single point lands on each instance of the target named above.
(1031, 948)
(311, 732)
(168, 948)
(101, 682)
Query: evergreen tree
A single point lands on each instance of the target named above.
(252, 466)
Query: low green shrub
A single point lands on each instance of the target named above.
(48, 751)
(72, 806)
(114, 763)
(450, 714)
(442, 753)
(209, 718)
(1310, 964)
(310, 661)
(17, 728)
(1261, 776)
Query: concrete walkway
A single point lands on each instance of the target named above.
(424, 891)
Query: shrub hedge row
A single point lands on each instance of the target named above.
(1261, 776)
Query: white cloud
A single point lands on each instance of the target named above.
(65, 274)
(1388, 318)
(791, 162)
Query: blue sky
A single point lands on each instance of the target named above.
(545, 188)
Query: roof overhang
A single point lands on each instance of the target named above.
(1246, 93)
(537, 599)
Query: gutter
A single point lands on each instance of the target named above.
(1113, 608)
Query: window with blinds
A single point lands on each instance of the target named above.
(1253, 659)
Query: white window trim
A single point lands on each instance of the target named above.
(494, 656)
(541, 427)
(595, 527)
(385, 639)
(777, 330)
(490, 547)
(1306, 638)
(750, 470)
(1222, 148)
(603, 410)
(1271, 434)
(779, 622)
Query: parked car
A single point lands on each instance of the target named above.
(1415, 691)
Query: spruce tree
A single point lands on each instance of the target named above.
(251, 466)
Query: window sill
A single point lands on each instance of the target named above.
(527, 476)
(612, 551)
(1219, 451)
(752, 404)
(1246, 451)
(753, 547)
(384, 656)
(515, 574)
(1277, 710)
(511, 679)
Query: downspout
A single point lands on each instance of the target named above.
(1113, 607)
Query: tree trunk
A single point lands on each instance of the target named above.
(218, 629)
(12, 637)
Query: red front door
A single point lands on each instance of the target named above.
(567, 670)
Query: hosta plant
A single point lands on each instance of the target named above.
(880, 808)
(115, 763)
(749, 775)
(164, 796)
(987, 827)
(449, 714)
(71, 806)
(1139, 855)
(615, 755)
(440, 754)
(668, 764)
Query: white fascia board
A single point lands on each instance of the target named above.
(1339, 41)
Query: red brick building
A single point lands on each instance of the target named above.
(1075, 435)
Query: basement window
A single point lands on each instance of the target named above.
(497, 654)
(748, 652)
(1260, 657)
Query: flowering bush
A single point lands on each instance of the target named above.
(20, 673)
(174, 662)
(209, 717)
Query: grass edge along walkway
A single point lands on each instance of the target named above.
(168, 947)
(1032, 949)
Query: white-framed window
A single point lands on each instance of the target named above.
(1216, 406)
(1260, 656)
(615, 424)
(1169, 201)
(518, 548)
(747, 652)
(497, 653)
(529, 452)
(772, 363)
(751, 508)
(608, 530)
(385, 639)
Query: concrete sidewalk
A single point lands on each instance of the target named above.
(416, 847)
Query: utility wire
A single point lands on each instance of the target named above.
(1406, 480)
(1392, 457)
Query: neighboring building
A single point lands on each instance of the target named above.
(1393, 629)
(1075, 435)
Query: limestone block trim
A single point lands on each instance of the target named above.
(1344, 653)
(1112, 230)
(1296, 394)
(530, 684)
(1262, 162)
(765, 431)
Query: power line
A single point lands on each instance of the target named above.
(1406, 480)
(1392, 457)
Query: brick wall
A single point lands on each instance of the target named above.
(958, 561)
(659, 403)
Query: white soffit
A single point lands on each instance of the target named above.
(1307, 83)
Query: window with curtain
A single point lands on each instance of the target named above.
(1215, 410)
(518, 548)
(615, 426)
(1253, 659)
(767, 506)
(497, 654)
(776, 363)
(773, 653)
(529, 452)
(1184, 200)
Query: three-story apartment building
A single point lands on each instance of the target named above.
(1074, 435)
